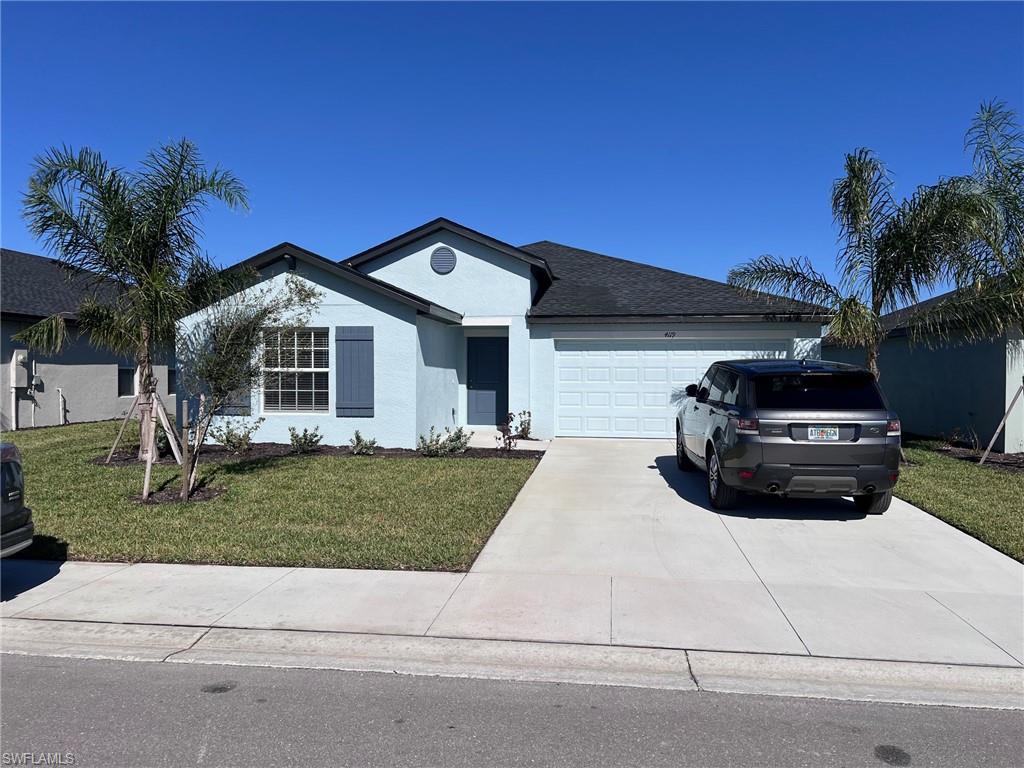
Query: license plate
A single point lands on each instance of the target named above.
(816, 432)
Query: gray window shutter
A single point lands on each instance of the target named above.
(353, 364)
(238, 404)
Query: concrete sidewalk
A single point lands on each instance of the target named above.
(400, 622)
(592, 610)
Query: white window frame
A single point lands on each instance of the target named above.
(264, 411)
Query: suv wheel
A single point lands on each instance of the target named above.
(720, 495)
(682, 460)
(873, 503)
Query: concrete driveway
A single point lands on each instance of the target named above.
(609, 543)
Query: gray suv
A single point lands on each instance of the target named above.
(790, 427)
(17, 524)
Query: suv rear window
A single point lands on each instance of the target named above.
(818, 391)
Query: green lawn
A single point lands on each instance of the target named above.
(985, 502)
(329, 511)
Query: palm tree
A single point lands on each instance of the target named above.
(965, 230)
(133, 236)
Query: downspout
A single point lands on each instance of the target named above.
(35, 404)
(14, 408)
(60, 406)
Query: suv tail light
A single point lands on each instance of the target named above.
(746, 426)
(892, 427)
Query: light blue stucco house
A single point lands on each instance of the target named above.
(444, 326)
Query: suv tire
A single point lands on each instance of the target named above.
(720, 495)
(682, 460)
(873, 503)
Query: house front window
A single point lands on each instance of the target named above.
(125, 382)
(295, 370)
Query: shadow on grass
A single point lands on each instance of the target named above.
(692, 486)
(247, 466)
(32, 567)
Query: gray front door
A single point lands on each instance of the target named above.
(487, 380)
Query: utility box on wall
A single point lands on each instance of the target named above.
(19, 368)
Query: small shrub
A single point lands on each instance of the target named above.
(525, 425)
(516, 427)
(305, 441)
(236, 436)
(444, 444)
(163, 444)
(361, 446)
(508, 435)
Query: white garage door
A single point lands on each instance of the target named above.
(624, 388)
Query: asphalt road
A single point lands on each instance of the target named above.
(108, 713)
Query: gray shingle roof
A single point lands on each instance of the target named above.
(37, 286)
(589, 284)
(900, 319)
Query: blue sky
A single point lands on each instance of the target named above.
(692, 136)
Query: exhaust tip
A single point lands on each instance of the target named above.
(773, 487)
(869, 489)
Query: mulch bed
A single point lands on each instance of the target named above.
(1011, 462)
(218, 453)
(172, 494)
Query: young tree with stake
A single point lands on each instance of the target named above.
(133, 236)
(221, 354)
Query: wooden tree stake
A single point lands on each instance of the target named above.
(151, 449)
(120, 432)
(1002, 423)
(186, 468)
(172, 436)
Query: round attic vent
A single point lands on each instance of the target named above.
(442, 260)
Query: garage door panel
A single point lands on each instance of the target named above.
(627, 399)
(624, 388)
(570, 399)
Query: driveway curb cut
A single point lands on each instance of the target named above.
(766, 674)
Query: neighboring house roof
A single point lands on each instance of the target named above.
(899, 321)
(37, 286)
(291, 251)
(589, 285)
(439, 224)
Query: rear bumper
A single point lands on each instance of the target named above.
(808, 480)
(17, 540)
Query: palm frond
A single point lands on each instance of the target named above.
(80, 208)
(794, 278)
(996, 143)
(47, 336)
(173, 191)
(861, 204)
(995, 140)
(111, 327)
(854, 324)
(982, 310)
(939, 233)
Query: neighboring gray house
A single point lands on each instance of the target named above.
(82, 383)
(444, 326)
(957, 387)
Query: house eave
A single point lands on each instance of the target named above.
(438, 225)
(289, 251)
(777, 317)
